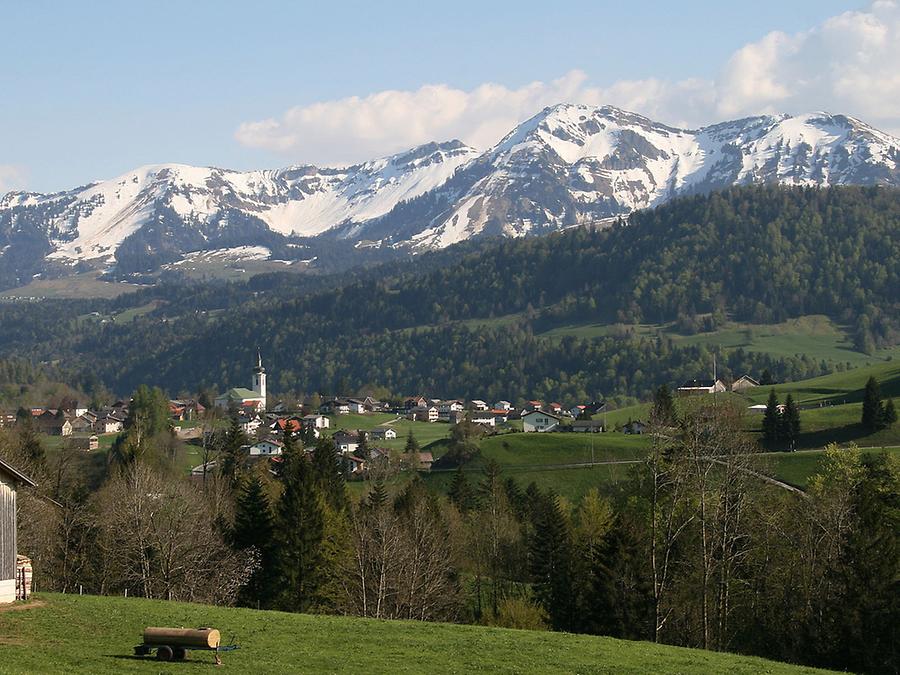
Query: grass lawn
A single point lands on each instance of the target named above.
(64, 634)
(560, 448)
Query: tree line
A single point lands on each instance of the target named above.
(766, 254)
(693, 549)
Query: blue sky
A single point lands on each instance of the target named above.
(94, 89)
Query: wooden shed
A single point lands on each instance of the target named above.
(10, 480)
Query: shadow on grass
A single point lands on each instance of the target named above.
(189, 661)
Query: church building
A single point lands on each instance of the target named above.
(248, 398)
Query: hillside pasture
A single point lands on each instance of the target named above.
(91, 634)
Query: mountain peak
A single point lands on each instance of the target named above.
(570, 164)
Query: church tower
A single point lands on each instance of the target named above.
(259, 378)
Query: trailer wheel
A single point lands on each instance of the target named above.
(179, 654)
(164, 653)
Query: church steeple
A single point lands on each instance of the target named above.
(259, 378)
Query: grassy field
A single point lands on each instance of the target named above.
(816, 336)
(64, 634)
(85, 285)
(796, 468)
(527, 450)
(424, 432)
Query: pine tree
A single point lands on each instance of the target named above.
(664, 407)
(329, 474)
(300, 533)
(460, 492)
(872, 411)
(254, 527)
(362, 446)
(772, 419)
(378, 495)
(890, 413)
(232, 451)
(551, 563)
(412, 445)
(790, 421)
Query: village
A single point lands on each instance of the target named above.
(265, 423)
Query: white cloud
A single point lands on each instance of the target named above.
(11, 178)
(850, 63)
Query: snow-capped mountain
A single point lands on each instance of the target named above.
(574, 164)
(567, 165)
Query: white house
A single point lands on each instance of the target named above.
(427, 413)
(540, 421)
(485, 417)
(10, 479)
(382, 433)
(316, 421)
(447, 407)
(479, 405)
(503, 405)
(247, 398)
(346, 442)
(250, 423)
(267, 448)
(336, 407)
(356, 406)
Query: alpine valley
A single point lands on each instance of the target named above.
(568, 165)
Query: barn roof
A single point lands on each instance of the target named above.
(15, 474)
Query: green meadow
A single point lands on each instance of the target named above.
(90, 634)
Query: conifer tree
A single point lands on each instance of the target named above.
(890, 413)
(254, 527)
(378, 495)
(300, 533)
(790, 421)
(329, 474)
(232, 451)
(664, 407)
(551, 562)
(872, 411)
(771, 419)
(412, 445)
(460, 492)
(362, 446)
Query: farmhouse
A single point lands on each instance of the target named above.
(428, 413)
(336, 406)
(53, 423)
(85, 443)
(10, 480)
(479, 405)
(540, 421)
(242, 398)
(587, 426)
(486, 417)
(744, 382)
(694, 387)
(634, 427)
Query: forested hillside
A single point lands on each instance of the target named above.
(752, 254)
